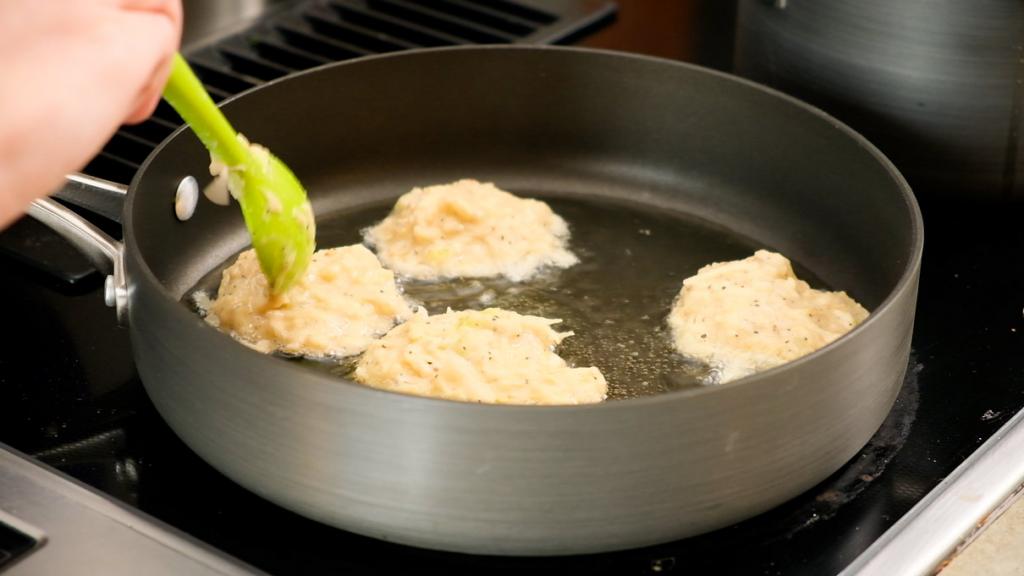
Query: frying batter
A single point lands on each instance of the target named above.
(470, 229)
(749, 315)
(493, 355)
(344, 301)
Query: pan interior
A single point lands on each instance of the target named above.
(713, 166)
(633, 260)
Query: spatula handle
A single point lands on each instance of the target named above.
(186, 94)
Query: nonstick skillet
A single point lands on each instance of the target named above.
(608, 137)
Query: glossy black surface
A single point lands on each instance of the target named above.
(13, 544)
(70, 396)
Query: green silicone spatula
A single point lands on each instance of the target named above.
(274, 204)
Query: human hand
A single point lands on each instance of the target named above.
(72, 72)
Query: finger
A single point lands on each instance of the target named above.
(148, 102)
(170, 8)
(149, 93)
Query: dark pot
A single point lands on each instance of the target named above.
(936, 85)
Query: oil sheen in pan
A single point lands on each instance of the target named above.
(632, 263)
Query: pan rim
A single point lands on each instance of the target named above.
(905, 283)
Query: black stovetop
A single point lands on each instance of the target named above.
(69, 395)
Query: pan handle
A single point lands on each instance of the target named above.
(96, 195)
(102, 251)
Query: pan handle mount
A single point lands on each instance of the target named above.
(105, 253)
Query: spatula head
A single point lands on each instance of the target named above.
(278, 215)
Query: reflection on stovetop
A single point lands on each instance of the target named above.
(70, 396)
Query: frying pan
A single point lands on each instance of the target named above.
(551, 122)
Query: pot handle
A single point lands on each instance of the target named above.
(105, 253)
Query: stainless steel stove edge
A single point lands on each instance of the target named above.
(87, 532)
(950, 516)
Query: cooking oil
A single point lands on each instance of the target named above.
(632, 262)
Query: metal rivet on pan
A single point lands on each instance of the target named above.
(109, 294)
(186, 198)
